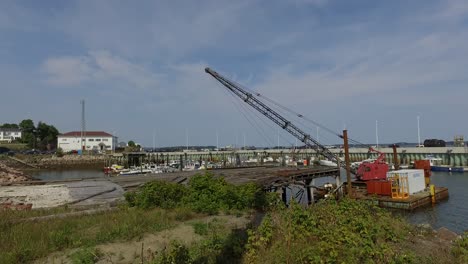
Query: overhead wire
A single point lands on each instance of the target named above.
(238, 105)
(296, 114)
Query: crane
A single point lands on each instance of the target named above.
(274, 116)
(373, 170)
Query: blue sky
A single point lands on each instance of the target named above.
(140, 67)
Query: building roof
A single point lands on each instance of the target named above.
(88, 134)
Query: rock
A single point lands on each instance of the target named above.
(10, 175)
(446, 234)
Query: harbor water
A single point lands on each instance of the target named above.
(451, 213)
(52, 175)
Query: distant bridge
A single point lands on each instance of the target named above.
(454, 156)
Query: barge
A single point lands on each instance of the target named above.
(412, 202)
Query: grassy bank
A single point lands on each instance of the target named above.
(347, 231)
(22, 242)
(14, 146)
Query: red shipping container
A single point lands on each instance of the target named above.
(370, 187)
(379, 187)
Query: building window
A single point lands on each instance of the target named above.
(16, 133)
(64, 139)
(91, 139)
(105, 139)
(98, 139)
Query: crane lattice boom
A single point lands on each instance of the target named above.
(273, 115)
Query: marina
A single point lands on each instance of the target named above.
(449, 212)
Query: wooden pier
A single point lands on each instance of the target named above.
(265, 176)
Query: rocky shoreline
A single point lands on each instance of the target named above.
(54, 162)
(11, 175)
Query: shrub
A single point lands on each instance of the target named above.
(157, 194)
(208, 194)
(460, 248)
(85, 256)
(204, 194)
(178, 254)
(329, 232)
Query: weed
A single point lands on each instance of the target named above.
(22, 242)
(460, 248)
(201, 228)
(85, 256)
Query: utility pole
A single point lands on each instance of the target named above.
(154, 140)
(186, 139)
(217, 141)
(348, 167)
(377, 133)
(83, 126)
(419, 137)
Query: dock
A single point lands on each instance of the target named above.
(108, 191)
(264, 176)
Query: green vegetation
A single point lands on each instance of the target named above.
(131, 144)
(14, 146)
(22, 241)
(220, 244)
(204, 194)
(345, 231)
(42, 136)
(336, 232)
(460, 249)
(85, 256)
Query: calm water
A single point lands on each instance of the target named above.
(67, 174)
(451, 213)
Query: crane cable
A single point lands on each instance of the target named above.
(257, 128)
(301, 116)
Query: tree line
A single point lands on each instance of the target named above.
(40, 136)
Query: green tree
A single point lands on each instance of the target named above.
(6, 125)
(28, 130)
(47, 135)
(131, 143)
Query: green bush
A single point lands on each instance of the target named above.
(178, 254)
(204, 194)
(208, 194)
(85, 256)
(330, 232)
(460, 248)
(157, 194)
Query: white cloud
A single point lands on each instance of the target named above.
(98, 66)
(68, 71)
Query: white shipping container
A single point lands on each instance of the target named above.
(416, 182)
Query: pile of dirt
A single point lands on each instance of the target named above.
(10, 175)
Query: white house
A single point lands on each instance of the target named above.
(9, 134)
(94, 140)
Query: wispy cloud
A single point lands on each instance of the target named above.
(98, 66)
(149, 57)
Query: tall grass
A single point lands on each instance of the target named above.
(22, 242)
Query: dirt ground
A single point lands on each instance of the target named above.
(134, 251)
